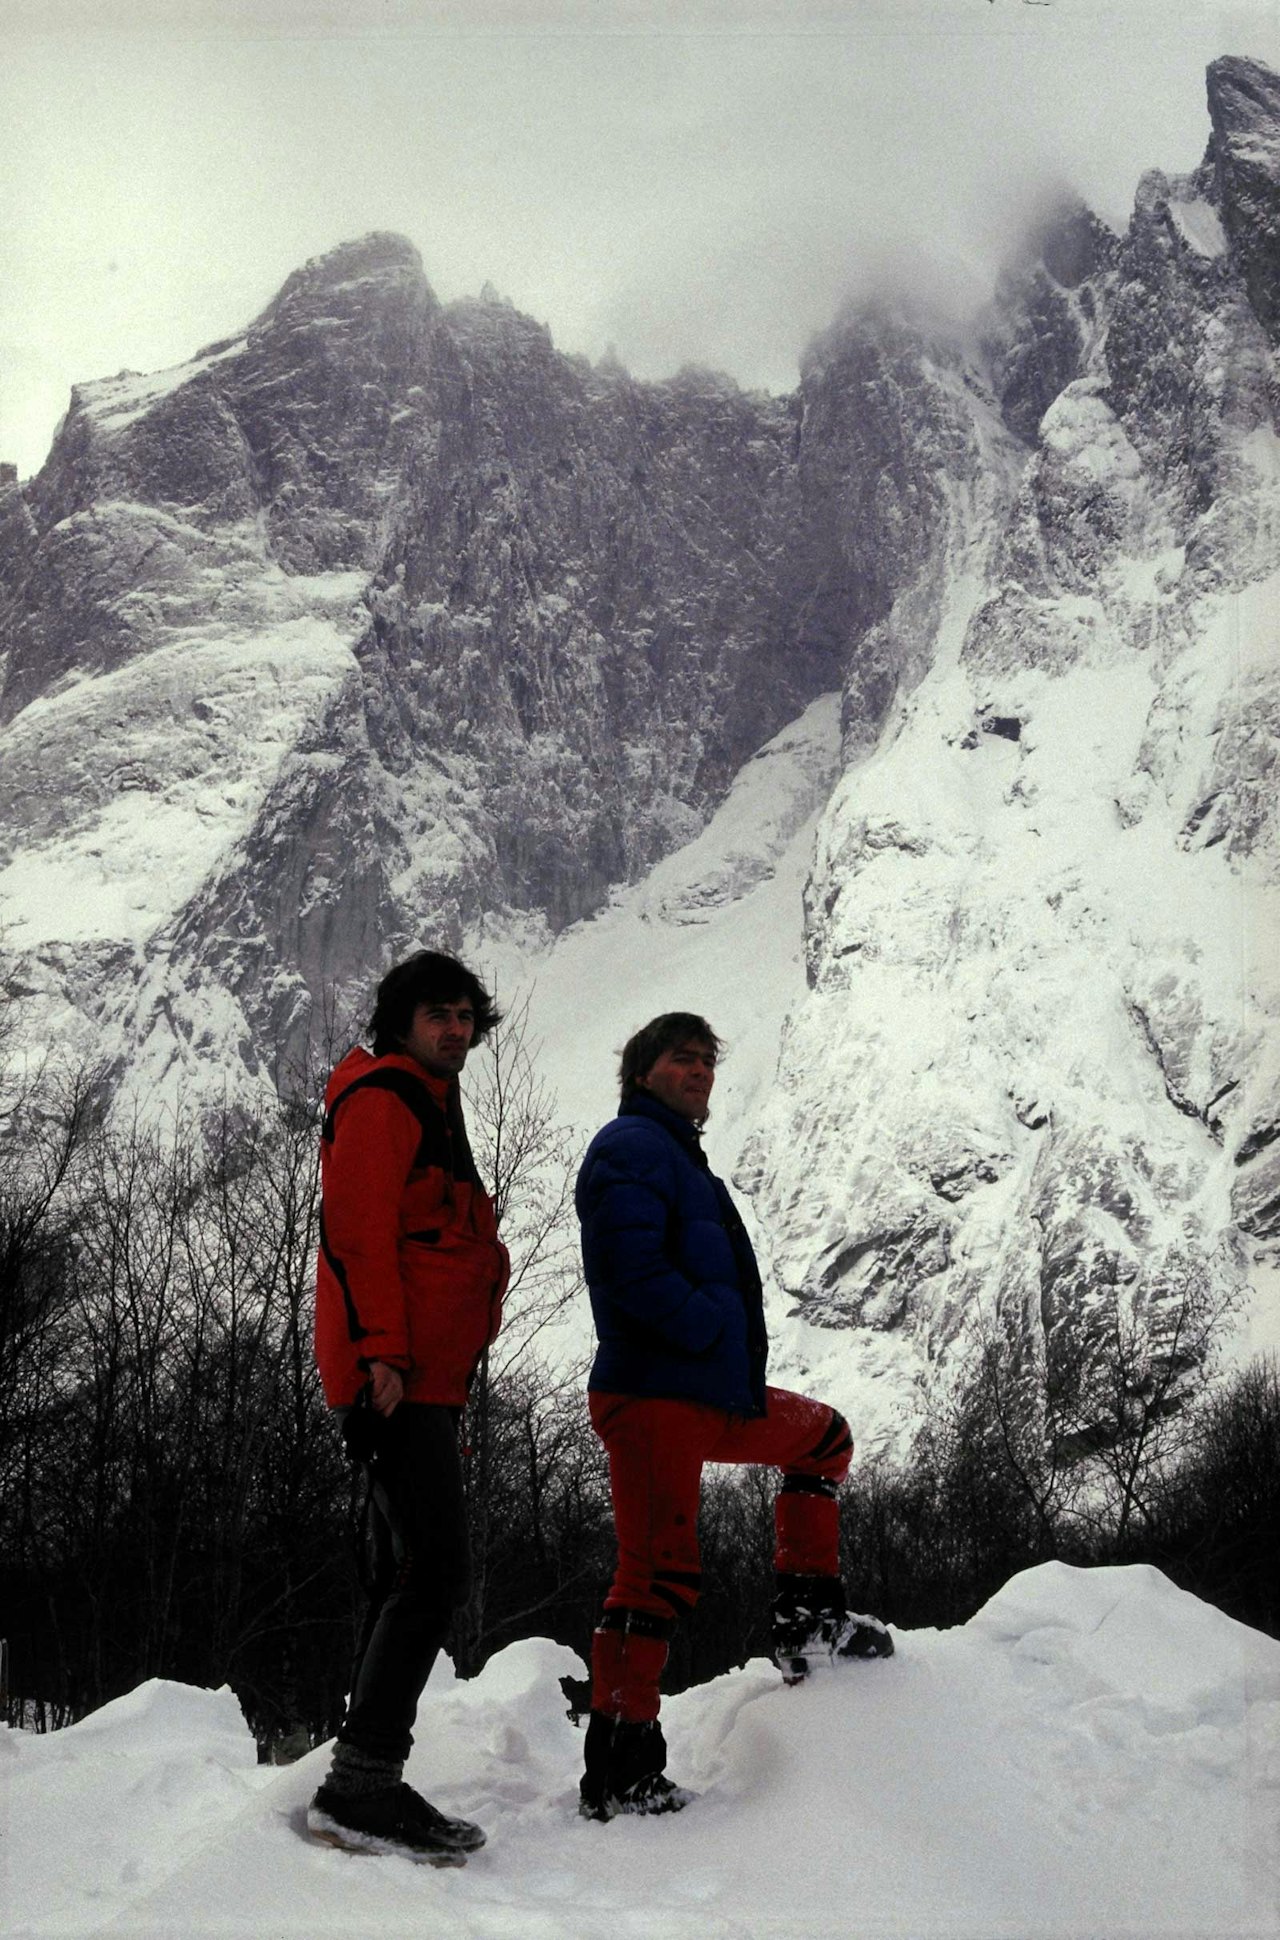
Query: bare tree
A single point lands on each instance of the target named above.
(528, 1157)
(1129, 1410)
(1087, 1421)
(525, 1420)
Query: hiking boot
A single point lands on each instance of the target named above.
(624, 1773)
(647, 1796)
(862, 1637)
(397, 1820)
(812, 1626)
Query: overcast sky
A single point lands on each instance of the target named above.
(688, 182)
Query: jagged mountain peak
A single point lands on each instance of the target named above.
(1243, 95)
(705, 380)
(1244, 155)
(1065, 239)
(890, 318)
(355, 270)
(492, 322)
(1073, 1061)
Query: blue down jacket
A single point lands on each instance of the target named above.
(673, 1280)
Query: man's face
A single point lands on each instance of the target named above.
(440, 1036)
(682, 1078)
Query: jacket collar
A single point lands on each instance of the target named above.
(358, 1061)
(642, 1104)
(439, 1088)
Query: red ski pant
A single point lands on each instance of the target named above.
(656, 1451)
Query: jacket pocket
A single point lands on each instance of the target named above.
(448, 1308)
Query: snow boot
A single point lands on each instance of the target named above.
(397, 1820)
(812, 1625)
(624, 1770)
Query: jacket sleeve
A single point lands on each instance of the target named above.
(626, 1199)
(375, 1142)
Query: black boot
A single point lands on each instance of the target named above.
(812, 1624)
(625, 1770)
(397, 1820)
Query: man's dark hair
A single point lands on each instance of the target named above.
(430, 977)
(641, 1052)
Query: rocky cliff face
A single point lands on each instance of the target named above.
(1035, 1080)
(516, 624)
(386, 620)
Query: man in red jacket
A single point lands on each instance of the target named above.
(409, 1291)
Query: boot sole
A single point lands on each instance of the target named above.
(798, 1670)
(612, 1808)
(327, 1832)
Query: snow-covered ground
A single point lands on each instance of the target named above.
(1094, 1755)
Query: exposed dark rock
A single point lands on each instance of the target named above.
(1255, 1197)
(1006, 727)
(1036, 337)
(880, 431)
(1172, 382)
(1244, 107)
(957, 1181)
(1258, 1140)
(18, 540)
(582, 568)
(869, 1282)
(1240, 802)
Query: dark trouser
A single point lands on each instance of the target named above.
(657, 1451)
(421, 1573)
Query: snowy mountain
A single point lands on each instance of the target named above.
(1036, 1068)
(386, 622)
(380, 618)
(1095, 1753)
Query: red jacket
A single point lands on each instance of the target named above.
(411, 1270)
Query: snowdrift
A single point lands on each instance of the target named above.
(1095, 1754)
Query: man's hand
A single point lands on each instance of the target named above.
(387, 1387)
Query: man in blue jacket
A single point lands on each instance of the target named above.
(679, 1380)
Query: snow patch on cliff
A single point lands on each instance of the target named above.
(114, 402)
(164, 763)
(1200, 225)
